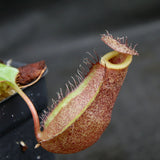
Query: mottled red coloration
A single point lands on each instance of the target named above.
(119, 44)
(88, 128)
(30, 72)
(79, 120)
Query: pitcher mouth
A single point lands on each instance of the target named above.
(116, 60)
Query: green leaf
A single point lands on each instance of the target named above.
(8, 74)
(8, 84)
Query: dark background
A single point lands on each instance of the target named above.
(60, 32)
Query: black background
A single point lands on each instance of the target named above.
(60, 32)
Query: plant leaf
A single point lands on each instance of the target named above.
(8, 84)
(8, 74)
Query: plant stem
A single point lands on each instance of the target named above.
(32, 109)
